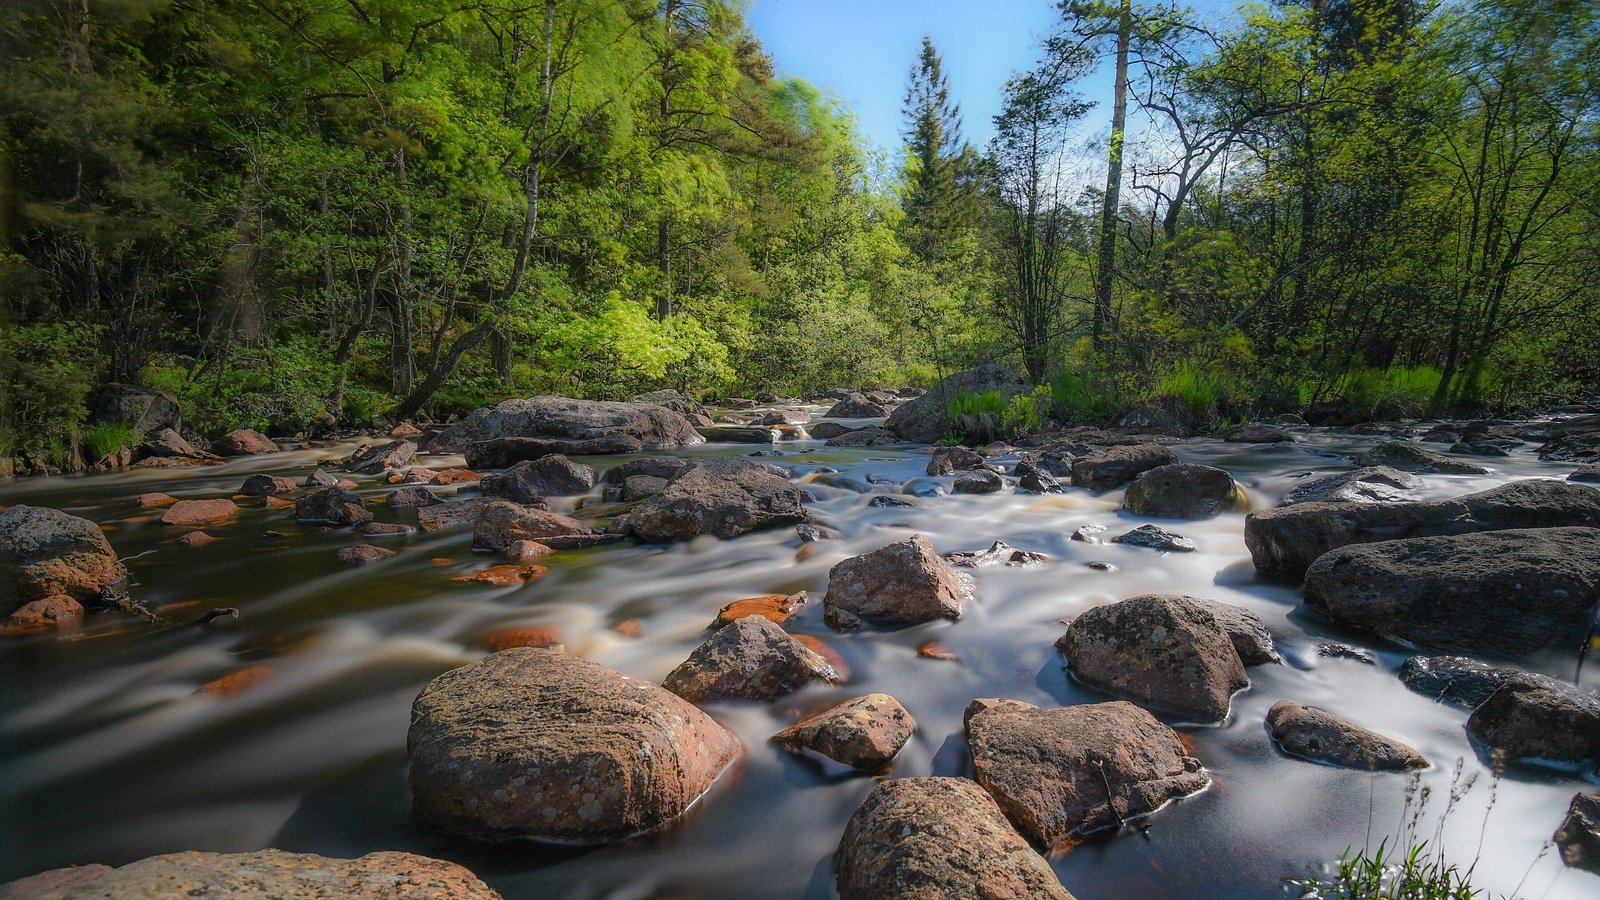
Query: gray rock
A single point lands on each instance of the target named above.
(500, 453)
(1320, 736)
(412, 498)
(1456, 680)
(903, 583)
(751, 659)
(720, 497)
(978, 481)
(664, 467)
(1412, 458)
(864, 437)
(1257, 434)
(548, 476)
(501, 523)
(1283, 542)
(1035, 479)
(332, 506)
(1579, 834)
(1183, 491)
(1586, 474)
(142, 410)
(1156, 538)
(1497, 594)
(45, 552)
(538, 744)
(824, 431)
(856, 406)
(948, 460)
(649, 426)
(1111, 467)
(382, 458)
(937, 838)
(1369, 484)
(450, 514)
(864, 733)
(1532, 718)
(166, 443)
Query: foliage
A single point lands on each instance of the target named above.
(1390, 874)
(102, 440)
(45, 381)
(1205, 391)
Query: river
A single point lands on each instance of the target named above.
(107, 755)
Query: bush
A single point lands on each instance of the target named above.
(104, 440)
(1082, 398)
(1401, 390)
(1206, 392)
(44, 387)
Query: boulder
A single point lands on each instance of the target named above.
(1496, 594)
(450, 514)
(937, 838)
(1456, 680)
(926, 418)
(639, 487)
(786, 417)
(823, 431)
(1156, 538)
(649, 426)
(362, 555)
(663, 467)
(142, 410)
(386, 875)
(904, 583)
(1586, 474)
(267, 486)
(536, 744)
(1369, 484)
(502, 452)
(412, 498)
(44, 614)
(1320, 736)
(192, 513)
(978, 481)
(382, 458)
(386, 529)
(1164, 651)
(167, 443)
(1182, 491)
(243, 442)
(1283, 542)
(864, 437)
(724, 498)
(548, 476)
(1163, 418)
(1575, 440)
(1061, 773)
(948, 460)
(321, 478)
(332, 506)
(1034, 478)
(1251, 638)
(1110, 467)
(864, 733)
(677, 401)
(856, 406)
(1412, 458)
(1257, 434)
(1534, 718)
(1578, 838)
(501, 523)
(751, 659)
(738, 434)
(45, 552)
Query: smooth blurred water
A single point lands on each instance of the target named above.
(108, 756)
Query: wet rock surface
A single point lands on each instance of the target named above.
(532, 743)
(332, 506)
(937, 837)
(1320, 736)
(925, 419)
(1578, 838)
(1155, 537)
(193, 513)
(501, 523)
(1164, 651)
(243, 442)
(1534, 718)
(533, 479)
(45, 552)
(864, 733)
(723, 498)
(903, 583)
(376, 460)
(387, 875)
(1413, 458)
(751, 659)
(1183, 491)
(1495, 594)
(646, 426)
(1368, 484)
(1111, 467)
(1456, 680)
(1060, 773)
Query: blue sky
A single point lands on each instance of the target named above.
(861, 51)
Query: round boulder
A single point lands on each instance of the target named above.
(243, 442)
(46, 552)
(751, 659)
(1110, 467)
(1183, 491)
(548, 476)
(1534, 717)
(724, 498)
(903, 583)
(864, 733)
(536, 744)
(501, 523)
(332, 506)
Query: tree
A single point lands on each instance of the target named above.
(937, 160)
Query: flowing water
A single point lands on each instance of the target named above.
(107, 754)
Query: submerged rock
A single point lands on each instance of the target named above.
(937, 838)
(1320, 736)
(1369, 484)
(1165, 651)
(362, 555)
(1533, 718)
(45, 552)
(192, 513)
(903, 583)
(998, 553)
(267, 486)
(1413, 458)
(1283, 542)
(537, 744)
(1497, 594)
(1060, 773)
(387, 875)
(1183, 491)
(412, 498)
(873, 436)
(332, 506)
(1111, 467)
(751, 659)
(44, 614)
(864, 733)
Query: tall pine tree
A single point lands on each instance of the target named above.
(935, 153)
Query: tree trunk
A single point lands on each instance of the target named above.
(1108, 210)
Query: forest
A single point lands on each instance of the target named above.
(302, 215)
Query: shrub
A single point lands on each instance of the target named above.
(1203, 390)
(103, 440)
(44, 387)
(1083, 398)
(1404, 390)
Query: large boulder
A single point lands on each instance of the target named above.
(1061, 773)
(1164, 651)
(1183, 492)
(1109, 467)
(499, 453)
(501, 523)
(45, 552)
(856, 406)
(927, 418)
(167, 443)
(934, 838)
(751, 659)
(1320, 736)
(243, 442)
(663, 467)
(549, 476)
(1283, 542)
(949, 460)
(1537, 718)
(382, 458)
(1164, 417)
(1368, 484)
(904, 583)
(143, 410)
(872, 436)
(267, 486)
(1414, 458)
(864, 733)
(386, 875)
(651, 426)
(724, 498)
(538, 744)
(1496, 594)
(332, 506)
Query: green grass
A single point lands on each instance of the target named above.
(101, 440)
(1202, 390)
(1082, 398)
(1404, 389)
(1384, 874)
